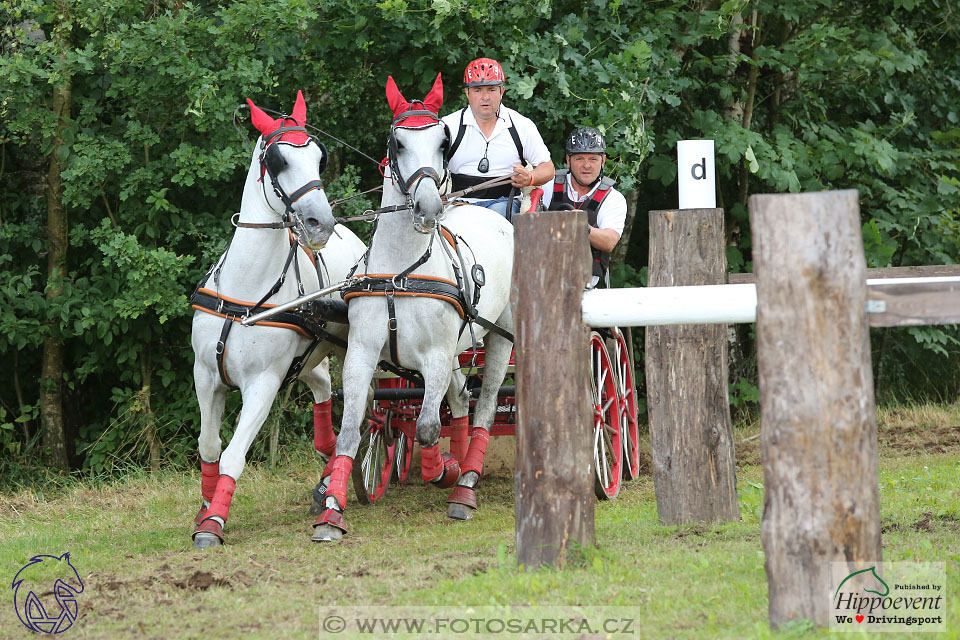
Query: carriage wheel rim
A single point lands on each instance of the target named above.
(629, 424)
(608, 445)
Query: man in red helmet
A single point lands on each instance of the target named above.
(491, 140)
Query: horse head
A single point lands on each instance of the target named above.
(292, 160)
(416, 150)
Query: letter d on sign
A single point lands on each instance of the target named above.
(696, 179)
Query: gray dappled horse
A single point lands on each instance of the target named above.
(270, 260)
(407, 309)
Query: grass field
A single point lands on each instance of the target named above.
(130, 542)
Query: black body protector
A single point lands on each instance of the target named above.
(601, 260)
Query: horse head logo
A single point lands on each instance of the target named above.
(42, 577)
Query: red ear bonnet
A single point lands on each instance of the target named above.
(399, 105)
(267, 125)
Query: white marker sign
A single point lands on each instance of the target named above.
(696, 179)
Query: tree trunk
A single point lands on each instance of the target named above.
(150, 420)
(691, 437)
(51, 394)
(554, 461)
(818, 432)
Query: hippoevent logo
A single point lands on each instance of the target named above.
(894, 596)
(45, 593)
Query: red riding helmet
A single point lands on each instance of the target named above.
(483, 72)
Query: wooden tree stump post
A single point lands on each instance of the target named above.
(818, 430)
(691, 437)
(554, 462)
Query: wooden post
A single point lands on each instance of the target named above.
(818, 430)
(691, 438)
(553, 482)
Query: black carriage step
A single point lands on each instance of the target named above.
(416, 393)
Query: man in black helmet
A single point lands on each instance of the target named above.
(582, 185)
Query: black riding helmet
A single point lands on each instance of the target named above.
(586, 140)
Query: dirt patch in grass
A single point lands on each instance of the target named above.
(904, 431)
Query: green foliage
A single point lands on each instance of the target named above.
(813, 95)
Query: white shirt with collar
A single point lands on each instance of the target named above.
(612, 213)
(501, 152)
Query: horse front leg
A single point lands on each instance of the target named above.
(358, 367)
(318, 379)
(459, 402)
(439, 469)
(211, 395)
(462, 502)
(257, 400)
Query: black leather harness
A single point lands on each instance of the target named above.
(406, 283)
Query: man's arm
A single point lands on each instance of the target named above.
(603, 239)
(542, 174)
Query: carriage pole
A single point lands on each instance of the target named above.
(553, 482)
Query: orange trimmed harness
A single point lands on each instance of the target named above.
(406, 283)
(233, 310)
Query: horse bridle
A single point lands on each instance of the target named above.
(271, 163)
(406, 185)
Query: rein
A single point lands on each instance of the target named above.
(372, 214)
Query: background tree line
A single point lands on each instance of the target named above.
(120, 163)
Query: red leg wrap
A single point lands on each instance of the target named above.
(209, 474)
(479, 438)
(340, 468)
(458, 439)
(442, 470)
(220, 505)
(430, 464)
(324, 439)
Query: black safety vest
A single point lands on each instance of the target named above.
(601, 259)
(462, 180)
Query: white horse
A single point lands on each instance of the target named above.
(270, 258)
(408, 261)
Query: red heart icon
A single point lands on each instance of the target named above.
(859, 618)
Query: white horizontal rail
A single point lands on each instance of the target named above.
(707, 304)
(651, 306)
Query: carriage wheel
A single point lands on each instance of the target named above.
(373, 465)
(402, 455)
(607, 443)
(627, 397)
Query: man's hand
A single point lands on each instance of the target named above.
(540, 174)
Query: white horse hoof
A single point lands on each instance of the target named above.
(326, 533)
(203, 540)
(459, 511)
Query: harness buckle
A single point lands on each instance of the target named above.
(220, 347)
(392, 324)
(398, 285)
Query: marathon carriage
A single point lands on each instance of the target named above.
(388, 441)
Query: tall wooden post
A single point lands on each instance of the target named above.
(691, 438)
(554, 462)
(818, 430)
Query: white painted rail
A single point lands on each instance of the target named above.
(647, 306)
(709, 304)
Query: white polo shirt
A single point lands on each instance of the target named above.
(612, 213)
(501, 151)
